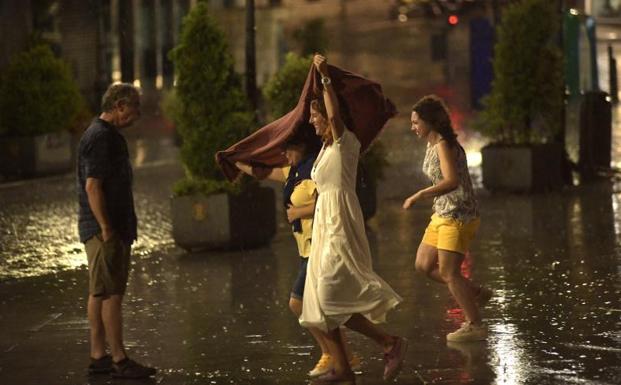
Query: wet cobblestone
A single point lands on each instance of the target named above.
(222, 318)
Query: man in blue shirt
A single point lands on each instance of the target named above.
(107, 226)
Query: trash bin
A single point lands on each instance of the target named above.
(595, 133)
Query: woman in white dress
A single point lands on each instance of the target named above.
(341, 286)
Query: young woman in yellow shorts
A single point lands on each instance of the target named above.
(456, 218)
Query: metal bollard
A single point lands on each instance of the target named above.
(614, 86)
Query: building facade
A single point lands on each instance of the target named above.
(108, 41)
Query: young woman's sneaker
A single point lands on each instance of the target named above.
(355, 363)
(323, 366)
(468, 332)
(331, 376)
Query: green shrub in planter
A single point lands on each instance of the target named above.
(40, 105)
(208, 107)
(312, 37)
(522, 113)
(525, 103)
(282, 91)
(210, 112)
(374, 162)
(38, 95)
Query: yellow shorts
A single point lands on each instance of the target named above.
(450, 234)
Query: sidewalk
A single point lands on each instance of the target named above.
(222, 317)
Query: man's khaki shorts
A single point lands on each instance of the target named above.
(108, 265)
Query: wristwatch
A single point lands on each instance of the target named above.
(325, 80)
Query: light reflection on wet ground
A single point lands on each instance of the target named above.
(39, 223)
(222, 317)
(553, 260)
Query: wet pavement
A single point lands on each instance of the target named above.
(553, 261)
(38, 217)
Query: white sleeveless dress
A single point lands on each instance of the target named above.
(340, 280)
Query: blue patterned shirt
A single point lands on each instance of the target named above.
(103, 154)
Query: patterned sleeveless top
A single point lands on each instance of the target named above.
(460, 204)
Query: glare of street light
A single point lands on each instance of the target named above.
(116, 76)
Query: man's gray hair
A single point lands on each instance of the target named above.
(119, 92)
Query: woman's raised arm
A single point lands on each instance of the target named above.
(329, 97)
(275, 174)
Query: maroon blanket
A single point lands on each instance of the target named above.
(363, 106)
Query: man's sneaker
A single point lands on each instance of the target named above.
(324, 365)
(394, 359)
(127, 368)
(483, 296)
(101, 365)
(468, 332)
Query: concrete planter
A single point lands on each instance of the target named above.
(532, 168)
(224, 221)
(35, 155)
